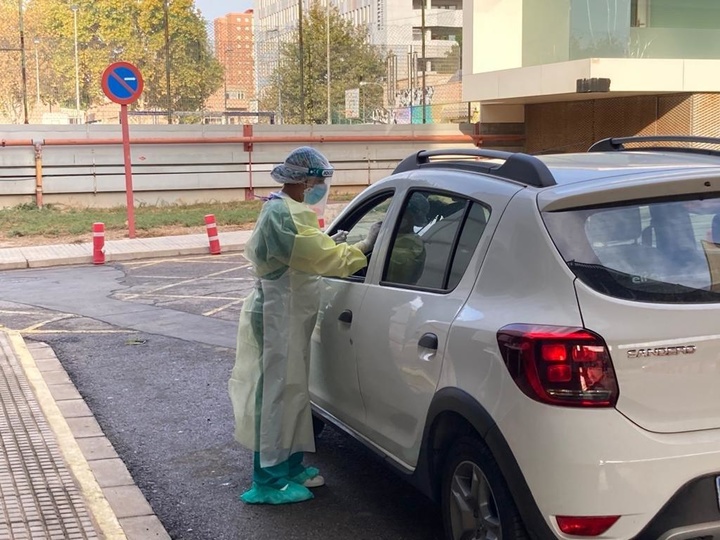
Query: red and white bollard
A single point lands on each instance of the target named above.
(212, 233)
(98, 243)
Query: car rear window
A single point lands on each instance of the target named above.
(653, 251)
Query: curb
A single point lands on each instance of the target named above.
(117, 505)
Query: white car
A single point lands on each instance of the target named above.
(540, 352)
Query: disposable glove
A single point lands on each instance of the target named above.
(340, 237)
(366, 245)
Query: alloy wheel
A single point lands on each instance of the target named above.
(473, 511)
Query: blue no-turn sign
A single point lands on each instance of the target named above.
(122, 83)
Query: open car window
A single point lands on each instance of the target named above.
(358, 223)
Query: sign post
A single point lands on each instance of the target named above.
(123, 84)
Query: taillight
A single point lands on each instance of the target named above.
(586, 525)
(559, 365)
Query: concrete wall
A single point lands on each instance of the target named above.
(92, 175)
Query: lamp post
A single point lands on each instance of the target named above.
(301, 53)
(277, 72)
(327, 58)
(225, 85)
(74, 9)
(424, 61)
(36, 41)
(166, 15)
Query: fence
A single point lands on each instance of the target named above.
(230, 71)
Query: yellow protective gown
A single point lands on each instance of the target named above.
(269, 383)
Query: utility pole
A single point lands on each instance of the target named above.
(22, 63)
(166, 8)
(302, 61)
(424, 62)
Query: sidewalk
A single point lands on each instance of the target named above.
(60, 478)
(118, 250)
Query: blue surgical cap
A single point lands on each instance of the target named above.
(300, 164)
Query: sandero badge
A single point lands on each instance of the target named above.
(661, 351)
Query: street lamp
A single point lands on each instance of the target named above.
(278, 82)
(74, 9)
(36, 41)
(327, 58)
(228, 50)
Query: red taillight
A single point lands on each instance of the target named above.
(559, 365)
(585, 525)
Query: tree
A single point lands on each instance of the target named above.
(133, 31)
(352, 60)
(11, 88)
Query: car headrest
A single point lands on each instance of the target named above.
(617, 225)
(716, 229)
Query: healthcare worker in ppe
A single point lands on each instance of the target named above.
(269, 383)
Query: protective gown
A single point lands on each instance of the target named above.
(269, 383)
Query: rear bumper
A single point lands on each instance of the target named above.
(598, 463)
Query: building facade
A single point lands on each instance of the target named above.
(573, 71)
(395, 26)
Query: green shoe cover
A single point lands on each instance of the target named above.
(307, 474)
(290, 493)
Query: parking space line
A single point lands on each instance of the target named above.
(48, 321)
(123, 296)
(183, 282)
(223, 308)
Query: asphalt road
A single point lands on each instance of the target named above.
(150, 346)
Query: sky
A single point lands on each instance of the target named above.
(211, 9)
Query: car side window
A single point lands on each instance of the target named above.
(434, 240)
(359, 222)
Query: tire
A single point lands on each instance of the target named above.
(476, 502)
(318, 425)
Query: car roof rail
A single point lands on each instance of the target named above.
(518, 167)
(617, 144)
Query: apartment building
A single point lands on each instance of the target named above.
(568, 72)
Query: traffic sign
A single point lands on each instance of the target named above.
(122, 83)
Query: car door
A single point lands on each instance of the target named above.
(334, 384)
(405, 316)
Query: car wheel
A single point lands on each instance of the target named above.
(476, 502)
(318, 425)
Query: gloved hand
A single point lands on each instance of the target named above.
(368, 243)
(340, 237)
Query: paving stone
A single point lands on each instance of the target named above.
(111, 473)
(56, 377)
(143, 528)
(84, 426)
(64, 391)
(127, 501)
(74, 408)
(96, 448)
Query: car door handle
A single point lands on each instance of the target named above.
(345, 316)
(429, 341)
